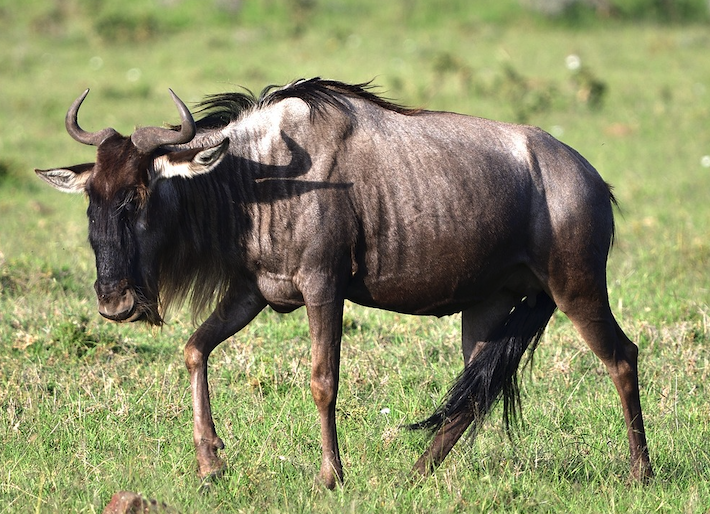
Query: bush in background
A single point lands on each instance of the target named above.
(660, 11)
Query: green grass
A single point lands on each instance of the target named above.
(89, 408)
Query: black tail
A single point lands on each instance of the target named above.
(494, 369)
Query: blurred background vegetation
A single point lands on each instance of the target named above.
(136, 20)
(625, 82)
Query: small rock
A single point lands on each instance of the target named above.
(126, 502)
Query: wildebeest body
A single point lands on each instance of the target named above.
(427, 213)
(320, 192)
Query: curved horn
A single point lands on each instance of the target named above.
(79, 134)
(148, 139)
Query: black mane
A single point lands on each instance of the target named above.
(221, 109)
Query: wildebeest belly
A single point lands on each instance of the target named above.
(439, 283)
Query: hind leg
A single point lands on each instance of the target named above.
(476, 325)
(597, 325)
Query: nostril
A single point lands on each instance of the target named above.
(116, 299)
(105, 291)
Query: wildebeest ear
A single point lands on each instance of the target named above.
(71, 179)
(189, 163)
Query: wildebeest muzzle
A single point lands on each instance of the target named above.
(117, 301)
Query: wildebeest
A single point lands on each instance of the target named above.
(319, 191)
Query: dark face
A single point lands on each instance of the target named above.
(128, 223)
(126, 278)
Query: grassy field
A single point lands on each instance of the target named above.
(89, 408)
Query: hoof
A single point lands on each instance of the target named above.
(642, 474)
(329, 478)
(212, 470)
(209, 465)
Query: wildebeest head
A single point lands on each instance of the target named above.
(124, 230)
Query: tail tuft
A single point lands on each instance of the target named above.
(493, 371)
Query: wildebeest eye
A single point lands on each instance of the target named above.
(129, 205)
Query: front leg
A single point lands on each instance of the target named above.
(326, 324)
(232, 314)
